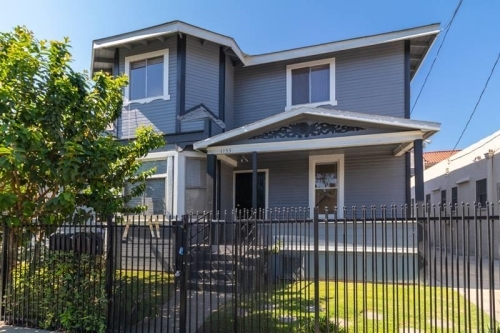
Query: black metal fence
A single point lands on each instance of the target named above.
(368, 269)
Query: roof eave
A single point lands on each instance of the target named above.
(427, 128)
(389, 37)
(168, 29)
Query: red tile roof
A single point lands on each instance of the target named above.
(434, 157)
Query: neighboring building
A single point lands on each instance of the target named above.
(471, 175)
(323, 125)
(432, 158)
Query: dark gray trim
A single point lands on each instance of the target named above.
(418, 161)
(254, 180)
(407, 79)
(408, 182)
(219, 176)
(116, 72)
(212, 173)
(222, 84)
(181, 78)
(178, 138)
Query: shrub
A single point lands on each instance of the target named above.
(307, 325)
(61, 290)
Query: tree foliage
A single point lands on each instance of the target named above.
(55, 154)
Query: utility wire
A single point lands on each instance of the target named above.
(447, 29)
(478, 101)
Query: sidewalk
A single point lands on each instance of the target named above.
(13, 329)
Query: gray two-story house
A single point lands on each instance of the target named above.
(319, 126)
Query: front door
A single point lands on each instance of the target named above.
(243, 190)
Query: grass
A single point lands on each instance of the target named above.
(359, 308)
(139, 295)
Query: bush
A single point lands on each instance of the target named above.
(61, 290)
(307, 325)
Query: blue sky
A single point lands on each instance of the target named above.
(261, 26)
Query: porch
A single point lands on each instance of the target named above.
(314, 158)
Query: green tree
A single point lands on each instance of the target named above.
(55, 154)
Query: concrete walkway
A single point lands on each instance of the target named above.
(200, 304)
(13, 329)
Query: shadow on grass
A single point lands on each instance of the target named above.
(355, 307)
(138, 295)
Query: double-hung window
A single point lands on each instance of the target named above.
(311, 83)
(148, 77)
(154, 196)
(326, 184)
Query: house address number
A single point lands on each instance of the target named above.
(225, 150)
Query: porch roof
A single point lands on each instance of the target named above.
(402, 132)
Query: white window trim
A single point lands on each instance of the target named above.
(142, 56)
(334, 158)
(162, 156)
(289, 68)
(266, 171)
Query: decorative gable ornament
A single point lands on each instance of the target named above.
(306, 130)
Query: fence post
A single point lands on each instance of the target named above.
(184, 272)
(5, 268)
(316, 271)
(109, 270)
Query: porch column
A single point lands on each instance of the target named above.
(418, 161)
(212, 183)
(254, 180)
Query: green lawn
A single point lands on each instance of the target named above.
(139, 295)
(369, 308)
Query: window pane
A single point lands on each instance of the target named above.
(300, 86)
(137, 82)
(481, 192)
(454, 195)
(135, 201)
(325, 198)
(155, 77)
(161, 166)
(154, 196)
(320, 83)
(195, 200)
(326, 175)
(196, 173)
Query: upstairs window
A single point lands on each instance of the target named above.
(311, 83)
(148, 77)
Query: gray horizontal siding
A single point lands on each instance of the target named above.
(229, 95)
(202, 74)
(374, 177)
(192, 125)
(160, 114)
(369, 80)
(288, 177)
(371, 177)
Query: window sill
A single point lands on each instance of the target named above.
(146, 100)
(311, 105)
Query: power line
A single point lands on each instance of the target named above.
(478, 101)
(447, 29)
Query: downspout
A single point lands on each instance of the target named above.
(490, 186)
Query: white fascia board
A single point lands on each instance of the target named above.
(343, 45)
(228, 160)
(314, 144)
(168, 29)
(333, 114)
